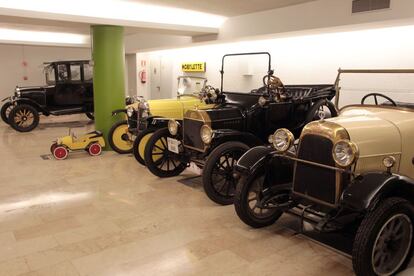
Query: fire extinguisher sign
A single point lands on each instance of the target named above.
(193, 67)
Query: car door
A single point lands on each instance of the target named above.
(69, 87)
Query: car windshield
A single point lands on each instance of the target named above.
(50, 74)
(244, 73)
(190, 85)
(396, 85)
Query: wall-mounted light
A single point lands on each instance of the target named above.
(117, 10)
(16, 36)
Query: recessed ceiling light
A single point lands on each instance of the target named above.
(118, 10)
(13, 35)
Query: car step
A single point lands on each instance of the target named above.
(67, 111)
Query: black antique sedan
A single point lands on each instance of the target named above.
(214, 139)
(68, 90)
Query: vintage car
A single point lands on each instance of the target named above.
(144, 117)
(69, 90)
(214, 139)
(354, 171)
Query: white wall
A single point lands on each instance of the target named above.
(12, 69)
(310, 59)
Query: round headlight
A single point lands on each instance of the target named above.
(173, 127)
(389, 161)
(206, 134)
(130, 111)
(282, 139)
(344, 153)
(17, 92)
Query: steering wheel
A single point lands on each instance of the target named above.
(375, 95)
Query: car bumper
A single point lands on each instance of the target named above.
(11, 99)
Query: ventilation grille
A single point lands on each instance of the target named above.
(369, 5)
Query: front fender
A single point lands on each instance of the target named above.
(279, 169)
(32, 103)
(6, 99)
(224, 135)
(118, 111)
(366, 189)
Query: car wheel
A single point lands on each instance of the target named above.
(247, 199)
(139, 144)
(119, 137)
(320, 110)
(159, 160)
(90, 115)
(60, 153)
(218, 181)
(94, 149)
(384, 240)
(5, 111)
(23, 118)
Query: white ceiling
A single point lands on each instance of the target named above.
(225, 7)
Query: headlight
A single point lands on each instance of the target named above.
(282, 139)
(345, 153)
(389, 162)
(130, 111)
(173, 127)
(206, 134)
(262, 101)
(17, 92)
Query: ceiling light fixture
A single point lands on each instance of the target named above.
(124, 11)
(14, 35)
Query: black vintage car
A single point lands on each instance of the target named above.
(215, 139)
(68, 90)
(352, 175)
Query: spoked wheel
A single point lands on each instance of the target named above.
(320, 110)
(120, 139)
(140, 143)
(384, 241)
(218, 181)
(23, 118)
(248, 198)
(5, 111)
(90, 115)
(60, 152)
(159, 160)
(95, 149)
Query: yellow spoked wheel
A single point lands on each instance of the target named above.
(139, 144)
(120, 139)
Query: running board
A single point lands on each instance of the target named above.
(67, 111)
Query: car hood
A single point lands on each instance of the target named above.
(174, 108)
(31, 88)
(380, 132)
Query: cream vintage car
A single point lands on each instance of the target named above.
(354, 171)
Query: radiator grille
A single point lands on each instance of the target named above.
(316, 182)
(191, 134)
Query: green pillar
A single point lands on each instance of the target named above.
(108, 54)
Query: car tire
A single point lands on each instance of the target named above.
(140, 142)
(119, 138)
(90, 115)
(242, 201)
(157, 146)
(17, 118)
(313, 113)
(375, 240)
(5, 111)
(218, 168)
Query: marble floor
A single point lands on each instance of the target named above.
(107, 215)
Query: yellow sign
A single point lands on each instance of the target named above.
(193, 67)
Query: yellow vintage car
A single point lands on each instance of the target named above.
(146, 116)
(92, 142)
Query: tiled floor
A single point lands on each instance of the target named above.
(107, 215)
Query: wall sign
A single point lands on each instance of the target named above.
(193, 67)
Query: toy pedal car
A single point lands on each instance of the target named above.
(92, 142)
